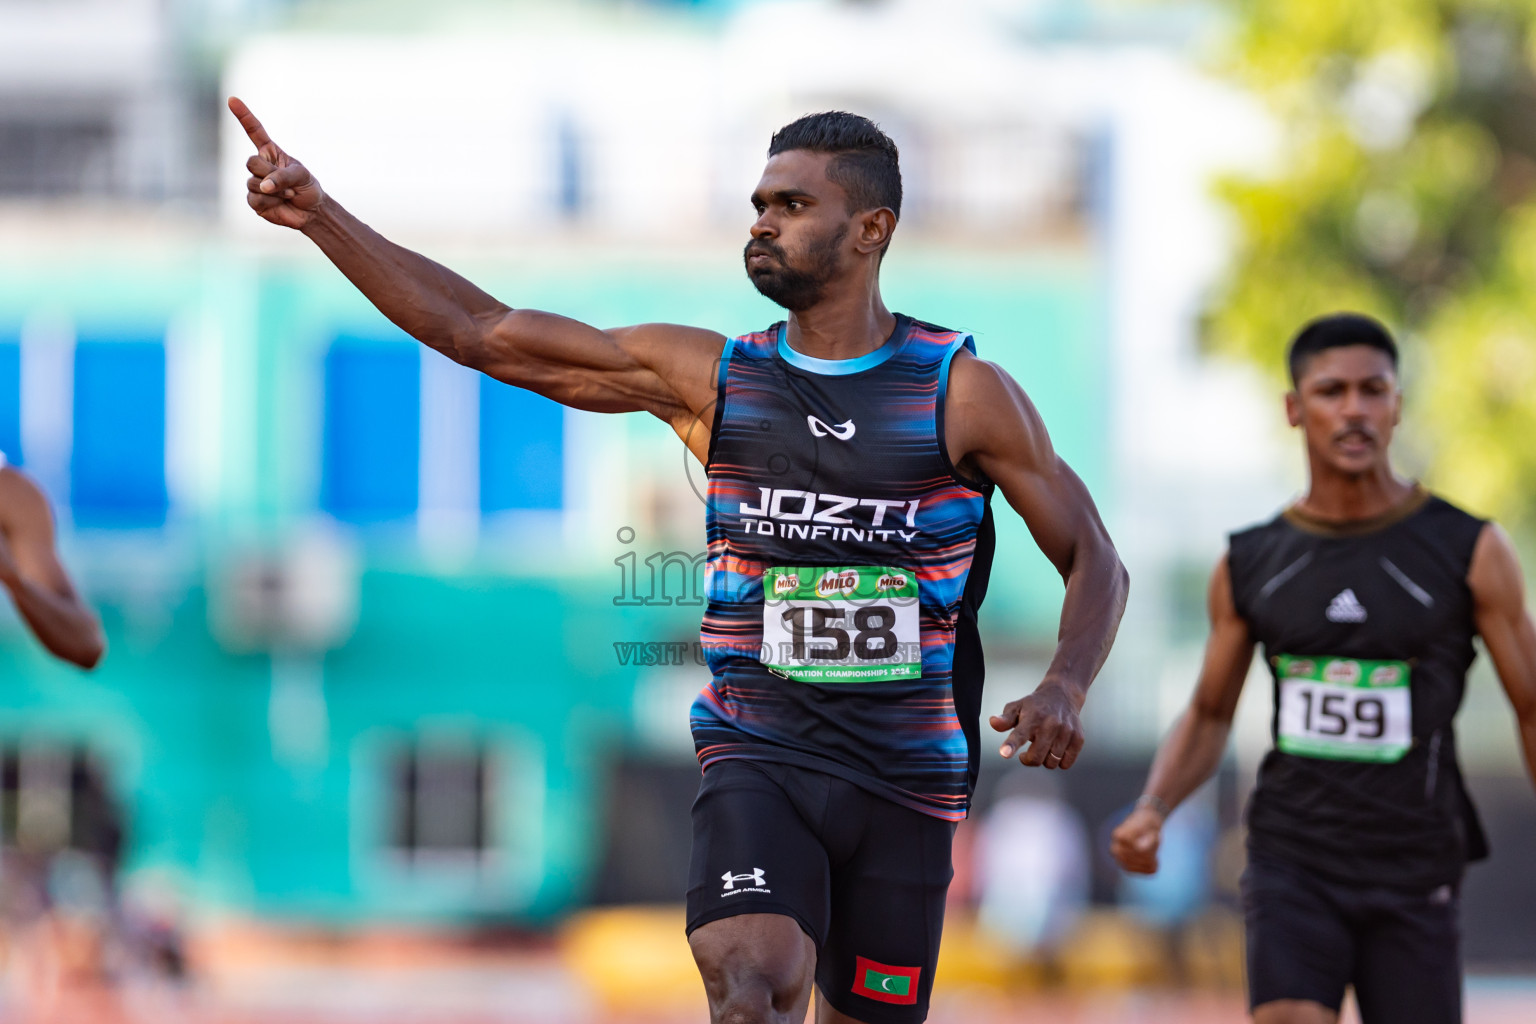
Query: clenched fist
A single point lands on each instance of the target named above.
(1135, 841)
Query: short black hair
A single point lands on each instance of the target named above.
(865, 164)
(1337, 330)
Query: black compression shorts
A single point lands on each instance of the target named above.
(1309, 937)
(864, 877)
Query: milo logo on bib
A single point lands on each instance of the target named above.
(1342, 672)
(1343, 709)
(842, 624)
(786, 584)
(1393, 674)
(836, 583)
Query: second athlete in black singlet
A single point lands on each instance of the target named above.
(1360, 807)
(1367, 631)
(1364, 597)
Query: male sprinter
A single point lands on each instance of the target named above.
(34, 577)
(850, 454)
(1366, 595)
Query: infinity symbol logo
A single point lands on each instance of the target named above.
(843, 431)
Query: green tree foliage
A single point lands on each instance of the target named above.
(1408, 191)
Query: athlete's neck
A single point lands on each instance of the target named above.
(841, 327)
(1341, 498)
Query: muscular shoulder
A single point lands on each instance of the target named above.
(971, 377)
(987, 414)
(1494, 576)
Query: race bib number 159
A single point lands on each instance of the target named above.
(1344, 709)
(854, 624)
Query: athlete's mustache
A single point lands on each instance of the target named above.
(1362, 433)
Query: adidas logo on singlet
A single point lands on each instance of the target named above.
(1346, 607)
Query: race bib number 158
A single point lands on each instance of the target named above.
(854, 624)
(1344, 709)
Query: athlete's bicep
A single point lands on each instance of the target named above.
(1056, 507)
(1228, 651)
(1502, 618)
(663, 369)
(995, 428)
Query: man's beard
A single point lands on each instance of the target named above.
(796, 288)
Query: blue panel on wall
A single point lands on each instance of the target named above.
(117, 464)
(10, 400)
(522, 442)
(372, 430)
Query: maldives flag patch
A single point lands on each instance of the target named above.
(885, 983)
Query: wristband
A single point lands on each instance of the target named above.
(1155, 802)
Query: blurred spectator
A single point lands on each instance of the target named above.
(1032, 863)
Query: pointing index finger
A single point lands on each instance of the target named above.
(248, 121)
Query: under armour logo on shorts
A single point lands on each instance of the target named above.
(755, 876)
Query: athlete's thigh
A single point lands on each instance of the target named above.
(753, 852)
(1300, 944)
(877, 964)
(1410, 961)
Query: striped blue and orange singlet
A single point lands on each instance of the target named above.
(847, 561)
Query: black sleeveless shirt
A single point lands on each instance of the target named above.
(847, 563)
(1367, 631)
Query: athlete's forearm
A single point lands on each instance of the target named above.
(67, 628)
(1097, 586)
(1188, 757)
(423, 298)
